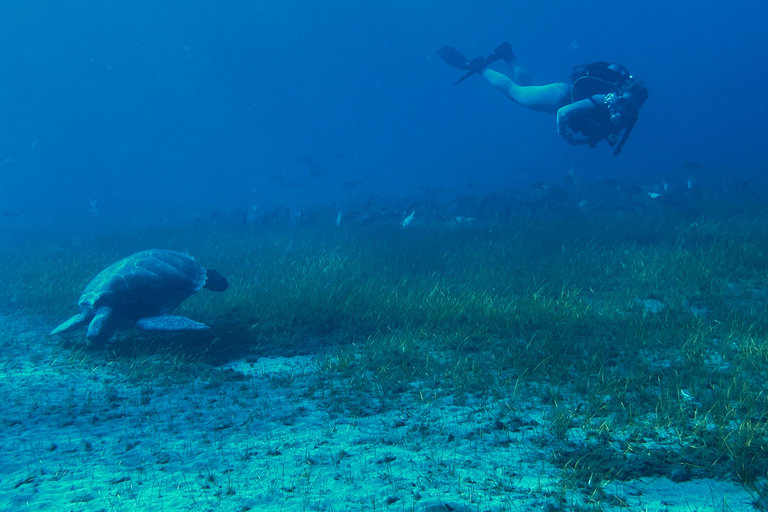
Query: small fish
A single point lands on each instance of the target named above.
(339, 156)
(347, 185)
(276, 178)
(294, 185)
(316, 173)
(10, 214)
(339, 216)
(407, 221)
(692, 164)
(654, 195)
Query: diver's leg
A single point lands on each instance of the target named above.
(543, 98)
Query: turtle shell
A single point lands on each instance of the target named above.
(152, 282)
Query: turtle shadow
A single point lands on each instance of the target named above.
(216, 347)
(193, 346)
(203, 347)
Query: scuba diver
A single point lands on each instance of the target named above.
(601, 102)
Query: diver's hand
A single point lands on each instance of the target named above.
(562, 127)
(570, 139)
(568, 112)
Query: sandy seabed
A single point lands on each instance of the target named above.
(82, 436)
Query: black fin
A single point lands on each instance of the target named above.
(466, 75)
(453, 57)
(502, 52)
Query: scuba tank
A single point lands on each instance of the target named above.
(598, 78)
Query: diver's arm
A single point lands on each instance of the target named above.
(542, 98)
(568, 112)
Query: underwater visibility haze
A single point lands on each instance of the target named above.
(140, 105)
(429, 299)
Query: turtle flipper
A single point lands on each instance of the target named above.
(102, 327)
(169, 323)
(74, 322)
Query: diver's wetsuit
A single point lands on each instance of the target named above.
(600, 116)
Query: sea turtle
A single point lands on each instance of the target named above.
(140, 291)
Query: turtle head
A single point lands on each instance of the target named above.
(215, 281)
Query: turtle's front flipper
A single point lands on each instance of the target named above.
(76, 321)
(102, 327)
(169, 323)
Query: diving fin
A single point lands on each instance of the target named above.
(502, 52)
(476, 66)
(453, 57)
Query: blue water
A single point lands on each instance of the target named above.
(148, 106)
